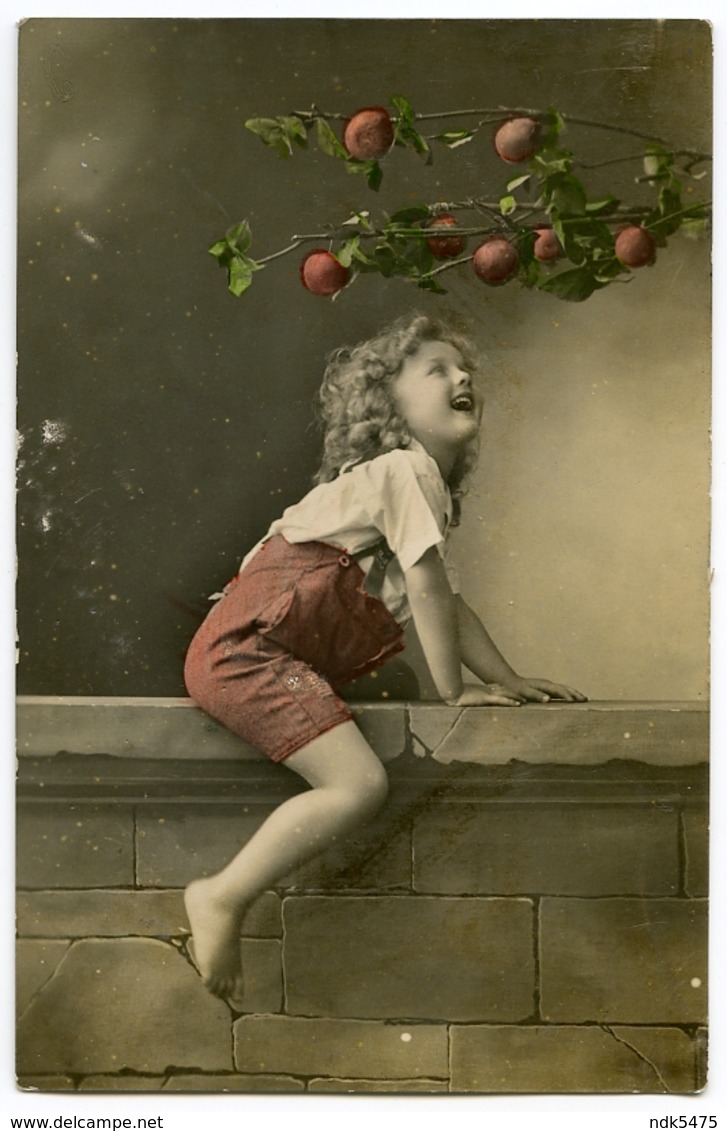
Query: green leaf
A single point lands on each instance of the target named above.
(411, 215)
(517, 182)
(667, 218)
(658, 162)
(403, 107)
(529, 272)
(556, 162)
(371, 170)
(405, 132)
(237, 241)
(524, 240)
(508, 204)
(584, 238)
(327, 140)
(239, 236)
(695, 224)
(454, 138)
(294, 129)
(572, 286)
(359, 219)
(602, 206)
(608, 268)
(347, 251)
(566, 195)
(552, 126)
(572, 249)
(219, 249)
(385, 259)
(419, 144)
(428, 283)
(280, 133)
(240, 274)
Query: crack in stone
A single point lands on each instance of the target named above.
(449, 733)
(642, 1056)
(430, 751)
(53, 974)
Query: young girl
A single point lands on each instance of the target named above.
(322, 599)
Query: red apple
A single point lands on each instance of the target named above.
(495, 261)
(546, 244)
(322, 274)
(369, 133)
(445, 247)
(517, 139)
(635, 247)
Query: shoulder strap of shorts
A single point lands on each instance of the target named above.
(382, 555)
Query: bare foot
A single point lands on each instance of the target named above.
(216, 936)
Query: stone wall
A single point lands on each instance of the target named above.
(527, 915)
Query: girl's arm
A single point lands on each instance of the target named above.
(482, 657)
(436, 619)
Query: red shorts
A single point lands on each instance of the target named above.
(295, 624)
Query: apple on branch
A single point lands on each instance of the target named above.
(369, 133)
(322, 274)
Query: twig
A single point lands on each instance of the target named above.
(498, 113)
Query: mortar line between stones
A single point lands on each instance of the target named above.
(537, 991)
(639, 1054)
(682, 853)
(135, 846)
(449, 1057)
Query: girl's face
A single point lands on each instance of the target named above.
(433, 392)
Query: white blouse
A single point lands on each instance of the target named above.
(400, 495)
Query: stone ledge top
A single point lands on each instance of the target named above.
(661, 733)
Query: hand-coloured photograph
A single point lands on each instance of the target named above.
(364, 406)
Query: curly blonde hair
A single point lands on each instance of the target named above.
(355, 405)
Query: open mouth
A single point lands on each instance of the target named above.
(464, 402)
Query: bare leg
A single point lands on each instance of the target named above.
(349, 785)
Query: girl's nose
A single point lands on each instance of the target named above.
(463, 380)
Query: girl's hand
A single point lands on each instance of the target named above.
(480, 695)
(536, 690)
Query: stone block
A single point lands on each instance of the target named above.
(570, 1059)
(409, 957)
(179, 844)
(116, 1004)
(43, 1083)
(116, 913)
(696, 853)
(262, 976)
(384, 727)
(125, 726)
(101, 913)
(168, 728)
(623, 960)
(263, 920)
(125, 1083)
(36, 962)
(323, 1046)
(583, 734)
(234, 1082)
(376, 857)
(74, 846)
(671, 1053)
(702, 1067)
(556, 849)
(376, 1087)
